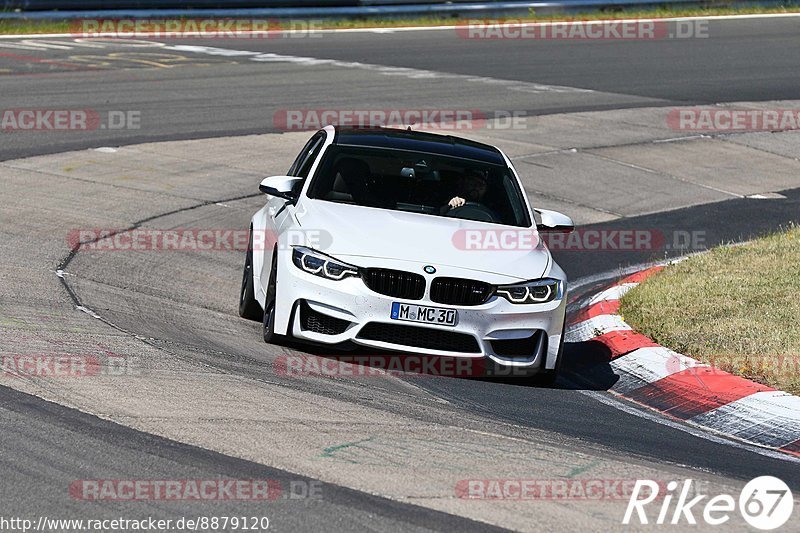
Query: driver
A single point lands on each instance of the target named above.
(472, 188)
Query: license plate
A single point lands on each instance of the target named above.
(424, 314)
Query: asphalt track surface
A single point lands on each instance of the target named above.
(63, 442)
(739, 60)
(45, 446)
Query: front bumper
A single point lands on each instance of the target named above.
(348, 311)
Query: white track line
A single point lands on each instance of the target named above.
(769, 413)
(591, 328)
(608, 399)
(413, 73)
(653, 363)
(612, 293)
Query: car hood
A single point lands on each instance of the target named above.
(356, 231)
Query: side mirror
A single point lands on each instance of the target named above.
(553, 222)
(280, 186)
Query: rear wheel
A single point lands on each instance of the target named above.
(269, 303)
(248, 306)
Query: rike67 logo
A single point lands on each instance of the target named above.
(765, 503)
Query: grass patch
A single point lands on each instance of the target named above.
(735, 307)
(27, 27)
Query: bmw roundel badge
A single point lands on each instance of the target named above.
(429, 269)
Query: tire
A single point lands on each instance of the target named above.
(248, 306)
(270, 336)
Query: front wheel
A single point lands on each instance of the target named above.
(269, 303)
(248, 306)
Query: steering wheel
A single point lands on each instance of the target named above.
(474, 211)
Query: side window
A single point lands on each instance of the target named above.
(302, 164)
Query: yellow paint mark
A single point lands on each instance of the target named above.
(91, 61)
(142, 60)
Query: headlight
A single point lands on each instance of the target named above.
(532, 292)
(321, 265)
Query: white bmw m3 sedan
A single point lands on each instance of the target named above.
(411, 242)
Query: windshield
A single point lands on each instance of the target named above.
(419, 182)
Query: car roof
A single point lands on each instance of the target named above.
(419, 141)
